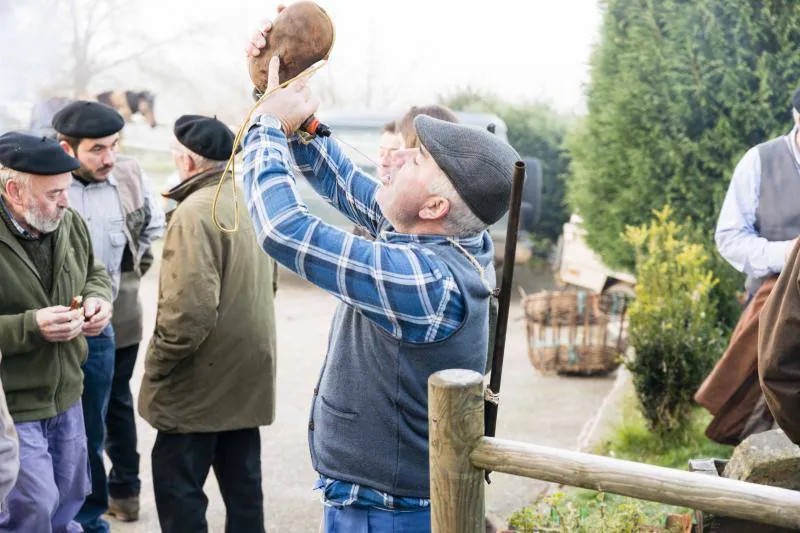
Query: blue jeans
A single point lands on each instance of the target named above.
(123, 480)
(351, 519)
(98, 372)
(53, 476)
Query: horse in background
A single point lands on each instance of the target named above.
(127, 103)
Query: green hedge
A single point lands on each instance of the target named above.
(679, 90)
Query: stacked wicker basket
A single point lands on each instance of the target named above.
(575, 332)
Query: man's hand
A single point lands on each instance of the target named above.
(59, 323)
(98, 315)
(257, 42)
(291, 105)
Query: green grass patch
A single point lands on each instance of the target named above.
(632, 440)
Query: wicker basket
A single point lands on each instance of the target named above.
(575, 332)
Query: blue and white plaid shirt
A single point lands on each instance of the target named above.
(342, 493)
(395, 281)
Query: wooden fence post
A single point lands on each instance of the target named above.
(455, 415)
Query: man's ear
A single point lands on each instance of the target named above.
(67, 148)
(14, 192)
(434, 208)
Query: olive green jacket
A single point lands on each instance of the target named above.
(43, 379)
(210, 365)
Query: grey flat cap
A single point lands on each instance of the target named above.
(478, 164)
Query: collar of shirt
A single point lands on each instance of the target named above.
(472, 243)
(22, 232)
(94, 184)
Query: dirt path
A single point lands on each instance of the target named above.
(550, 411)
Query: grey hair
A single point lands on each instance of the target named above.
(795, 114)
(202, 163)
(460, 220)
(9, 174)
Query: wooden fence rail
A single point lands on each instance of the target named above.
(459, 453)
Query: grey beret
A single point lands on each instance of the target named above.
(478, 164)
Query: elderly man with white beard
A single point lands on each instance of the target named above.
(53, 294)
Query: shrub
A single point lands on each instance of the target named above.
(580, 511)
(679, 90)
(673, 321)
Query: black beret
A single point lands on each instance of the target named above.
(796, 99)
(34, 155)
(205, 136)
(88, 120)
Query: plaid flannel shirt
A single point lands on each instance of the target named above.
(25, 234)
(395, 281)
(342, 493)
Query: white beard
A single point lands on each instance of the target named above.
(40, 222)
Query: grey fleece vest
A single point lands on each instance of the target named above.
(778, 212)
(369, 415)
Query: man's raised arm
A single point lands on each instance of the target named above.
(339, 181)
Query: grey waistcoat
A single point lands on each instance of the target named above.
(369, 415)
(778, 212)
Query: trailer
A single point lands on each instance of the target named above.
(577, 265)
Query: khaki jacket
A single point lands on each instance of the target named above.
(210, 365)
(144, 223)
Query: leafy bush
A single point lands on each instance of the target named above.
(679, 90)
(580, 511)
(673, 321)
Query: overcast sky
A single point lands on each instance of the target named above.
(387, 54)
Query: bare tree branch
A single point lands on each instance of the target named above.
(188, 32)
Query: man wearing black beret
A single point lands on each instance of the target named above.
(209, 379)
(53, 293)
(113, 196)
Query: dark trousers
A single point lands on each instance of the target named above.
(98, 372)
(180, 466)
(123, 480)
